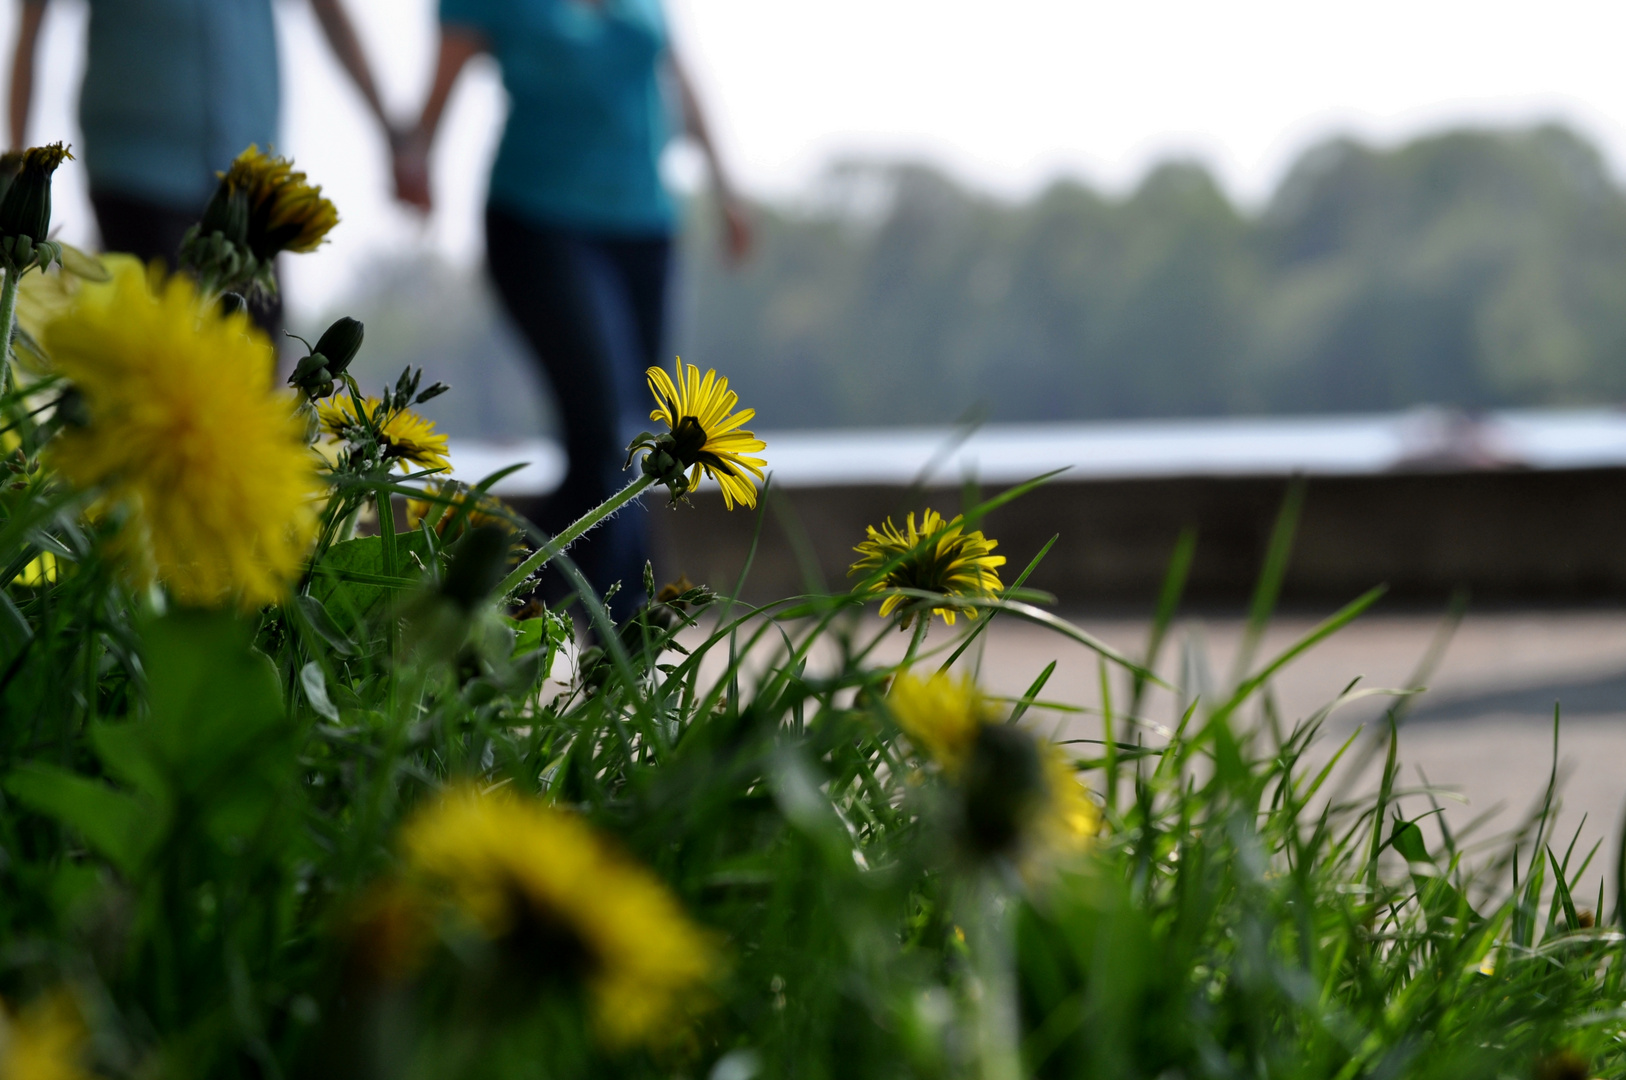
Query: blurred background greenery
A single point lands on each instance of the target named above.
(1473, 268)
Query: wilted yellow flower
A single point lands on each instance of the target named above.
(185, 438)
(46, 1042)
(936, 557)
(285, 211)
(705, 431)
(941, 715)
(408, 438)
(512, 866)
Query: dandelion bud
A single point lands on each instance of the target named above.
(11, 164)
(25, 210)
(227, 213)
(340, 343)
(433, 391)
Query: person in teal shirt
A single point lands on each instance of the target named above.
(579, 229)
(173, 91)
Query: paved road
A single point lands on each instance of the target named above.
(1483, 729)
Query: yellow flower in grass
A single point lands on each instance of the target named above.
(937, 556)
(706, 434)
(285, 211)
(184, 438)
(409, 439)
(941, 715)
(560, 896)
(1020, 794)
(46, 1041)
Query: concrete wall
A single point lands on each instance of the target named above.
(1547, 536)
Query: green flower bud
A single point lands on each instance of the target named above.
(11, 165)
(25, 210)
(227, 213)
(340, 343)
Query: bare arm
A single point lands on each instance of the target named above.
(458, 46)
(341, 36)
(22, 70)
(737, 239)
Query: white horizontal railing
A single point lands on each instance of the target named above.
(1253, 446)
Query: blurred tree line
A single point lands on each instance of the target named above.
(1473, 268)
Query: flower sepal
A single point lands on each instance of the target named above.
(661, 463)
(21, 254)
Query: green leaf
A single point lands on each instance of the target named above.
(351, 581)
(118, 825)
(314, 684)
(210, 693)
(1407, 839)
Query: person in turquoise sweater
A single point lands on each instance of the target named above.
(173, 91)
(579, 229)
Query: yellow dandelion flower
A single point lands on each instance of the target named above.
(1070, 820)
(185, 437)
(410, 439)
(45, 1042)
(285, 211)
(706, 432)
(516, 867)
(1021, 793)
(935, 557)
(941, 715)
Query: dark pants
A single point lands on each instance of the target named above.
(593, 308)
(150, 230)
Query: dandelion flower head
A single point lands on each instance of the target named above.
(521, 870)
(408, 439)
(707, 433)
(936, 556)
(286, 211)
(949, 721)
(185, 437)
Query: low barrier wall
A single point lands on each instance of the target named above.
(1515, 536)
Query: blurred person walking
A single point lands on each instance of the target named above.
(579, 229)
(173, 91)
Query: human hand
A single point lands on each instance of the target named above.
(409, 152)
(739, 236)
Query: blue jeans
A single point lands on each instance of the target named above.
(593, 308)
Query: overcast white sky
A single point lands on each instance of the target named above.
(1005, 94)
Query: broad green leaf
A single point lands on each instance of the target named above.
(118, 825)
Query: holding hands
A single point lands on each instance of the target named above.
(409, 158)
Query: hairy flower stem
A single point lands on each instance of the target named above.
(8, 322)
(543, 555)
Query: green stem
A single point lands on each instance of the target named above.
(918, 638)
(570, 535)
(998, 1036)
(8, 321)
